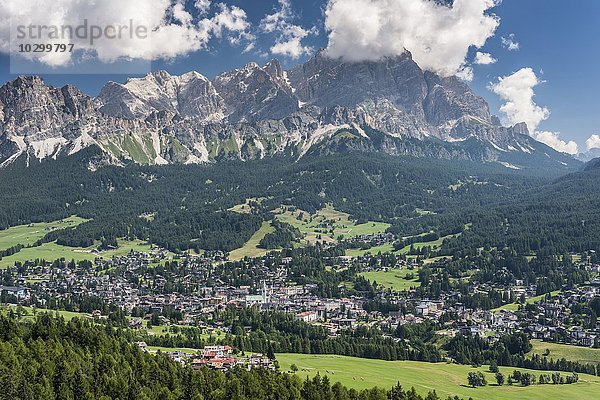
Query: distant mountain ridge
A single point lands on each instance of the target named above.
(319, 107)
(589, 155)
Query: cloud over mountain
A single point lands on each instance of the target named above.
(438, 35)
(553, 140)
(593, 142)
(517, 92)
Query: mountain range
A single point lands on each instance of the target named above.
(320, 107)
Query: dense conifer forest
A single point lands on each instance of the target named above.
(49, 358)
(187, 207)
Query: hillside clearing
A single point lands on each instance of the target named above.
(251, 249)
(29, 234)
(446, 379)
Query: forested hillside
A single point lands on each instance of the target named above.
(52, 359)
(188, 207)
(562, 216)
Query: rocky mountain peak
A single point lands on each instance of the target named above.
(325, 105)
(273, 68)
(252, 93)
(326, 82)
(521, 128)
(160, 76)
(77, 102)
(279, 75)
(191, 95)
(31, 106)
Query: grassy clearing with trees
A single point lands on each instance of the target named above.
(398, 280)
(247, 206)
(251, 249)
(327, 224)
(434, 245)
(446, 379)
(29, 313)
(29, 234)
(53, 251)
(531, 300)
(572, 353)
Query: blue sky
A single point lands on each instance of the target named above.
(557, 39)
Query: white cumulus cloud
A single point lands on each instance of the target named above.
(517, 92)
(232, 20)
(484, 58)
(172, 30)
(290, 36)
(202, 6)
(593, 142)
(438, 36)
(465, 73)
(510, 43)
(553, 140)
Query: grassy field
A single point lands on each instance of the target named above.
(325, 225)
(422, 212)
(384, 248)
(53, 251)
(164, 330)
(251, 249)
(389, 248)
(157, 330)
(531, 300)
(435, 244)
(172, 350)
(394, 279)
(153, 330)
(435, 259)
(246, 208)
(29, 312)
(571, 353)
(328, 224)
(29, 234)
(446, 379)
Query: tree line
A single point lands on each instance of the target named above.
(51, 358)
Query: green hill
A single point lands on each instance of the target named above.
(446, 379)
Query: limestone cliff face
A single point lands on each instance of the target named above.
(319, 107)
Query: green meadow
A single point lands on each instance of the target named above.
(250, 248)
(389, 248)
(246, 208)
(29, 234)
(30, 312)
(327, 224)
(398, 280)
(531, 300)
(172, 350)
(579, 354)
(446, 379)
(52, 251)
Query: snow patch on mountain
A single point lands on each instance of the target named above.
(48, 147)
(83, 141)
(320, 134)
(509, 165)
